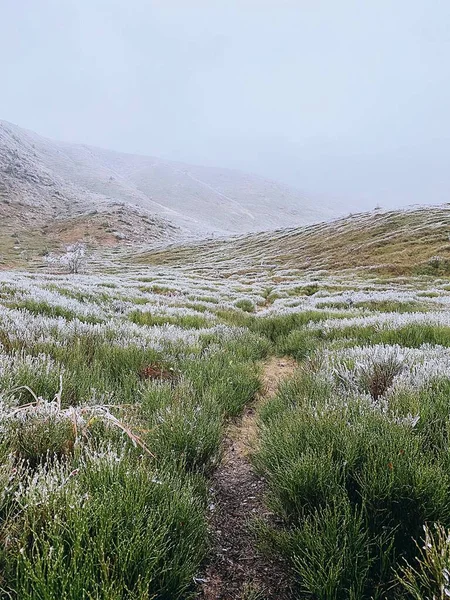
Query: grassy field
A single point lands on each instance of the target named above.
(117, 393)
(409, 242)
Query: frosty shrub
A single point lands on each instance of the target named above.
(73, 258)
(375, 375)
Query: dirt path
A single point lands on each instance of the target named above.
(236, 570)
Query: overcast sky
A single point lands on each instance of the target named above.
(348, 100)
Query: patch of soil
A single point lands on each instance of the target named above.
(157, 373)
(236, 569)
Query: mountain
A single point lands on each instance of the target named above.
(65, 180)
(409, 241)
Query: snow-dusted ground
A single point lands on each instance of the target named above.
(198, 199)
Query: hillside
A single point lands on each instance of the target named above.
(393, 242)
(40, 210)
(66, 179)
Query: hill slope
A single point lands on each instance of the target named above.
(388, 242)
(75, 177)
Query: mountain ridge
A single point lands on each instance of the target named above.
(199, 200)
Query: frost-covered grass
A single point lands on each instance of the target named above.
(355, 451)
(115, 391)
(104, 467)
(389, 243)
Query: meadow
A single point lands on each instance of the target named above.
(118, 391)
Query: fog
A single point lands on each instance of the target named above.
(348, 100)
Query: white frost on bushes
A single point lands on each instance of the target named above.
(416, 366)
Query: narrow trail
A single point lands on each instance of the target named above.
(237, 571)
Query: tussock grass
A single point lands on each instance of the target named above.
(110, 532)
(105, 489)
(185, 321)
(353, 483)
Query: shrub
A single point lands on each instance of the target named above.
(109, 533)
(246, 305)
(298, 343)
(37, 438)
(188, 432)
(332, 554)
(374, 375)
(320, 453)
(230, 383)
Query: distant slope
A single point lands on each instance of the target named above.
(69, 178)
(395, 242)
(40, 210)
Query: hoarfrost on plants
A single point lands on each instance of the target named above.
(115, 395)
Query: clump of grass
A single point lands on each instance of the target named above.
(375, 376)
(412, 335)
(37, 439)
(43, 429)
(436, 266)
(246, 305)
(109, 531)
(184, 321)
(429, 576)
(333, 553)
(279, 326)
(188, 432)
(231, 383)
(304, 290)
(48, 310)
(353, 483)
(299, 344)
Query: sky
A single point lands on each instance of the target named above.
(347, 100)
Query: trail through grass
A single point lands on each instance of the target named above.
(236, 569)
(331, 490)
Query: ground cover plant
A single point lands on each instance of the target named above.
(116, 394)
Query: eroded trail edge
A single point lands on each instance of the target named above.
(236, 570)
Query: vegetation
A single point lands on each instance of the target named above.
(408, 242)
(116, 392)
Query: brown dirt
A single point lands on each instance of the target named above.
(236, 570)
(157, 373)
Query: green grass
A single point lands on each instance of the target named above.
(121, 524)
(389, 244)
(43, 308)
(352, 485)
(105, 491)
(245, 305)
(411, 336)
(184, 321)
(110, 533)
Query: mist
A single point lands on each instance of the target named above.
(347, 101)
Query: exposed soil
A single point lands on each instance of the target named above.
(236, 570)
(157, 373)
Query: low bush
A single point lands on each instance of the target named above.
(108, 531)
(354, 484)
(246, 305)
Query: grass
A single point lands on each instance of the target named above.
(45, 309)
(185, 321)
(411, 336)
(105, 486)
(109, 533)
(395, 243)
(86, 511)
(353, 485)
